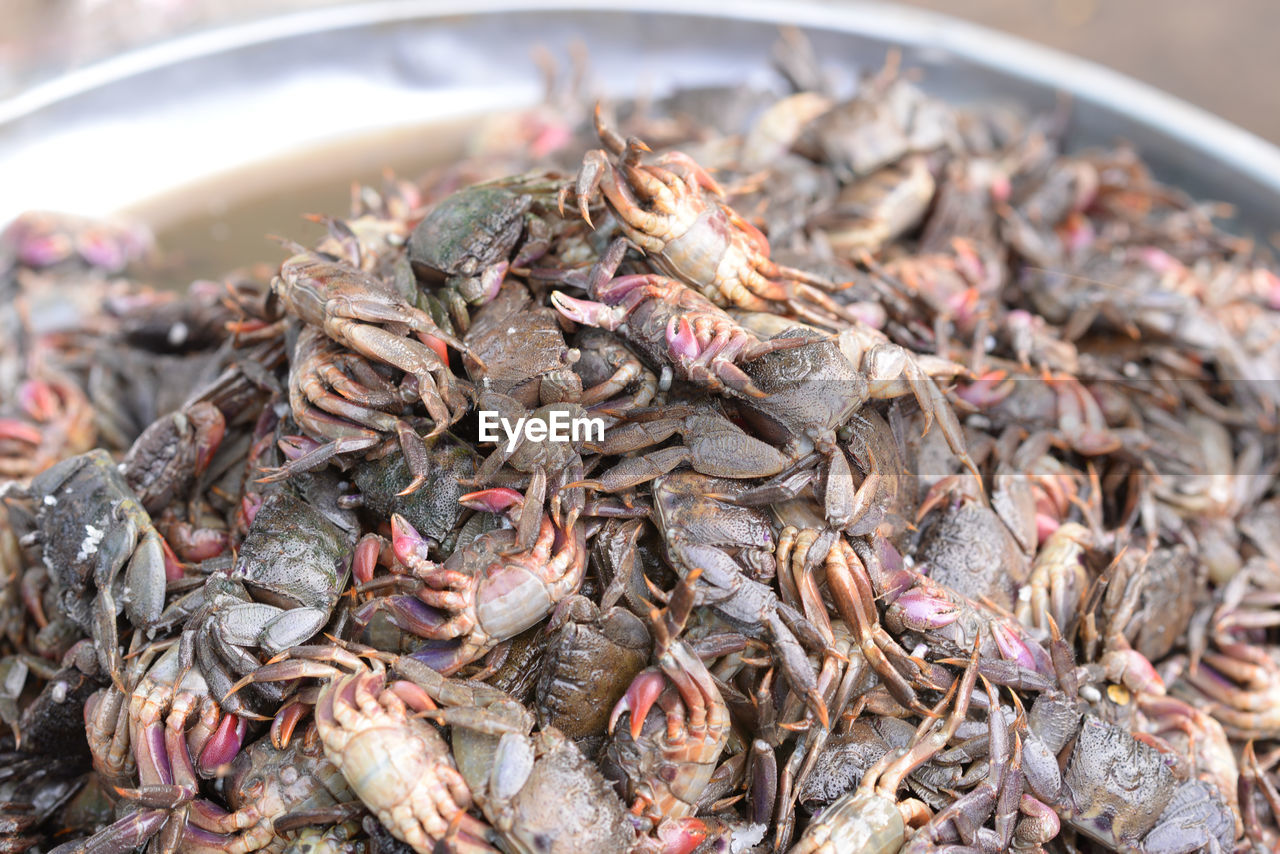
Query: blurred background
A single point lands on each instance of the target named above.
(1220, 56)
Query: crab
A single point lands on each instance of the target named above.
(812, 391)
(663, 208)
(396, 763)
(871, 818)
(672, 325)
(166, 727)
(487, 591)
(100, 548)
(700, 533)
(361, 312)
(523, 350)
(592, 658)
(341, 401)
(282, 589)
(471, 238)
(669, 761)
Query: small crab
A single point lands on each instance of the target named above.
(471, 238)
(589, 663)
(343, 403)
(100, 548)
(363, 313)
(487, 591)
(282, 589)
(663, 208)
(396, 763)
(731, 549)
(668, 761)
(673, 325)
(871, 818)
(523, 350)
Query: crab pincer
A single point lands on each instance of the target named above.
(669, 765)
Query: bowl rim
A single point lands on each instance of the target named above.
(1191, 126)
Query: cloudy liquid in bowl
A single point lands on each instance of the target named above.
(215, 225)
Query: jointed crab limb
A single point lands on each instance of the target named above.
(854, 598)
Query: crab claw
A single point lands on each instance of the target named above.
(224, 744)
(285, 721)
(11, 428)
(173, 569)
(38, 399)
(407, 544)
(1132, 669)
(408, 613)
(921, 610)
(295, 447)
(987, 390)
(365, 561)
(640, 696)
(588, 312)
(1011, 646)
(682, 836)
(442, 656)
(495, 500)
(681, 338)
(437, 345)
(210, 427)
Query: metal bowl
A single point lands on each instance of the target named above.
(111, 136)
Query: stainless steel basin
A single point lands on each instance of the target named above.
(112, 135)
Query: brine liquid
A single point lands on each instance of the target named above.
(213, 226)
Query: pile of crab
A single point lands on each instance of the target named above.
(932, 504)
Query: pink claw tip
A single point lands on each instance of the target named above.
(577, 310)
(249, 507)
(639, 698)
(925, 611)
(100, 250)
(366, 559)
(225, 743)
(12, 428)
(1011, 646)
(493, 282)
(548, 139)
(681, 339)
(173, 569)
(682, 836)
(1138, 673)
(1158, 260)
(436, 346)
(294, 447)
(38, 399)
(1045, 526)
(406, 542)
(494, 500)
(1270, 288)
(43, 251)
(614, 290)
